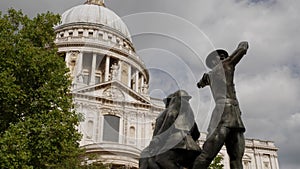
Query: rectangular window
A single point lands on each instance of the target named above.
(111, 128)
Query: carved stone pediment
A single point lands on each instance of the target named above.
(113, 93)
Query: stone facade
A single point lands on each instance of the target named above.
(110, 90)
(110, 84)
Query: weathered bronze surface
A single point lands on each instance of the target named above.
(226, 126)
(174, 138)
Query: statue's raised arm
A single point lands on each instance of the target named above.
(238, 54)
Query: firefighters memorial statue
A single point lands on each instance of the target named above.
(174, 140)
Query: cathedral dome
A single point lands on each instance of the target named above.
(92, 13)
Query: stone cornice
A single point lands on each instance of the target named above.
(113, 147)
(84, 25)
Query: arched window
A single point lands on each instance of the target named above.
(111, 128)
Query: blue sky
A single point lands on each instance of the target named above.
(173, 38)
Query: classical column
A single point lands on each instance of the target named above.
(129, 76)
(79, 63)
(142, 81)
(98, 127)
(121, 131)
(273, 161)
(137, 81)
(276, 162)
(78, 69)
(92, 82)
(107, 68)
(261, 161)
(258, 160)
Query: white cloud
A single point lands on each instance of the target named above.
(270, 105)
(271, 92)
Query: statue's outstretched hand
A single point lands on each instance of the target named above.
(243, 45)
(199, 85)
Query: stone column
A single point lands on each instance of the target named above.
(276, 162)
(142, 81)
(107, 68)
(79, 63)
(121, 131)
(261, 161)
(98, 126)
(129, 76)
(93, 69)
(273, 161)
(258, 160)
(137, 81)
(78, 74)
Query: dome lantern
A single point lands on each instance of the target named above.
(95, 2)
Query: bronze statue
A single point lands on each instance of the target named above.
(147, 161)
(175, 135)
(226, 126)
(147, 157)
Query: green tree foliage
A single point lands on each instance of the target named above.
(216, 163)
(37, 126)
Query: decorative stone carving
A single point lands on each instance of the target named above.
(113, 93)
(114, 71)
(73, 55)
(113, 112)
(145, 88)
